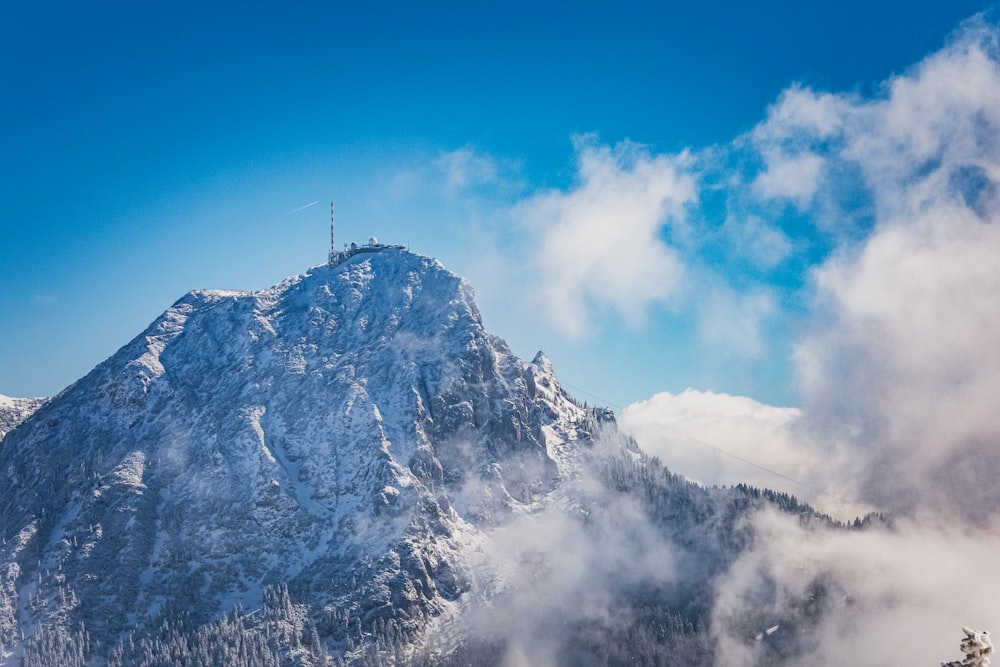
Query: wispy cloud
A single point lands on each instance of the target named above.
(467, 167)
(44, 300)
(600, 242)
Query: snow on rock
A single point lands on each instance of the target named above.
(13, 411)
(976, 646)
(345, 433)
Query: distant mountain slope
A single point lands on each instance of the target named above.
(340, 469)
(13, 411)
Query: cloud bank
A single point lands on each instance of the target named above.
(881, 597)
(682, 429)
(898, 361)
(898, 355)
(904, 364)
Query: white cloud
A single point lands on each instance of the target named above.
(732, 321)
(793, 142)
(911, 360)
(875, 597)
(463, 176)
(553, 571)
(466, 167)
(795, 177)
(800, 112)
(908, 355)
(899, 366)
(759, 243)
(600, 242)
(687, 430)
(899, 360)
(908, 142)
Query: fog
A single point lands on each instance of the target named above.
(898, 365)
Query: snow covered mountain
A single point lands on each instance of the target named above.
(331, 471)
(249, 440)
(13, 411)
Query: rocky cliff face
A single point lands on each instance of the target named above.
(346, 434)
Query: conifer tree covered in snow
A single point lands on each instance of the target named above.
(976, 646)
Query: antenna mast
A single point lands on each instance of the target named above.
(333, 247)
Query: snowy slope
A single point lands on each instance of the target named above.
(13, 411)
(347, 433)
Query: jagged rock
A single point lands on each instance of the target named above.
(343, 433)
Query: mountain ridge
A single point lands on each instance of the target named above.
(347, 468)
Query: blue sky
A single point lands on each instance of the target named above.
(148, 150)
(771, 228)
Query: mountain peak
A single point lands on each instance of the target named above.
(361, 403)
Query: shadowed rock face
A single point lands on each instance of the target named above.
(345, 433)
